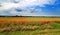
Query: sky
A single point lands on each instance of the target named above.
(30, 7)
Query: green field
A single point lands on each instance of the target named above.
(51, 28)
(27, 29)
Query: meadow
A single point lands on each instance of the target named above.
(29, 25)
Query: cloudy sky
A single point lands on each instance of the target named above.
(30, 7)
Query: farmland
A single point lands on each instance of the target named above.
(27, 19)
(29, 26)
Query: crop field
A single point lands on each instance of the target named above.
(29, 26)
(28, 20)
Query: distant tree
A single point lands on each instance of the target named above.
(16, 15)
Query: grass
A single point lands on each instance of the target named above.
(56, 25)
(36, 32)
(36, 29)
(26, 19)
(32, 26)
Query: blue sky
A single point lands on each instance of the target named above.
(30, 7)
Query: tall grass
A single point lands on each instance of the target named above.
(30, 29)
(55, 25)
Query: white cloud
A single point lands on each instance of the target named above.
(5, 6)
(25, 3)
(22, 4)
